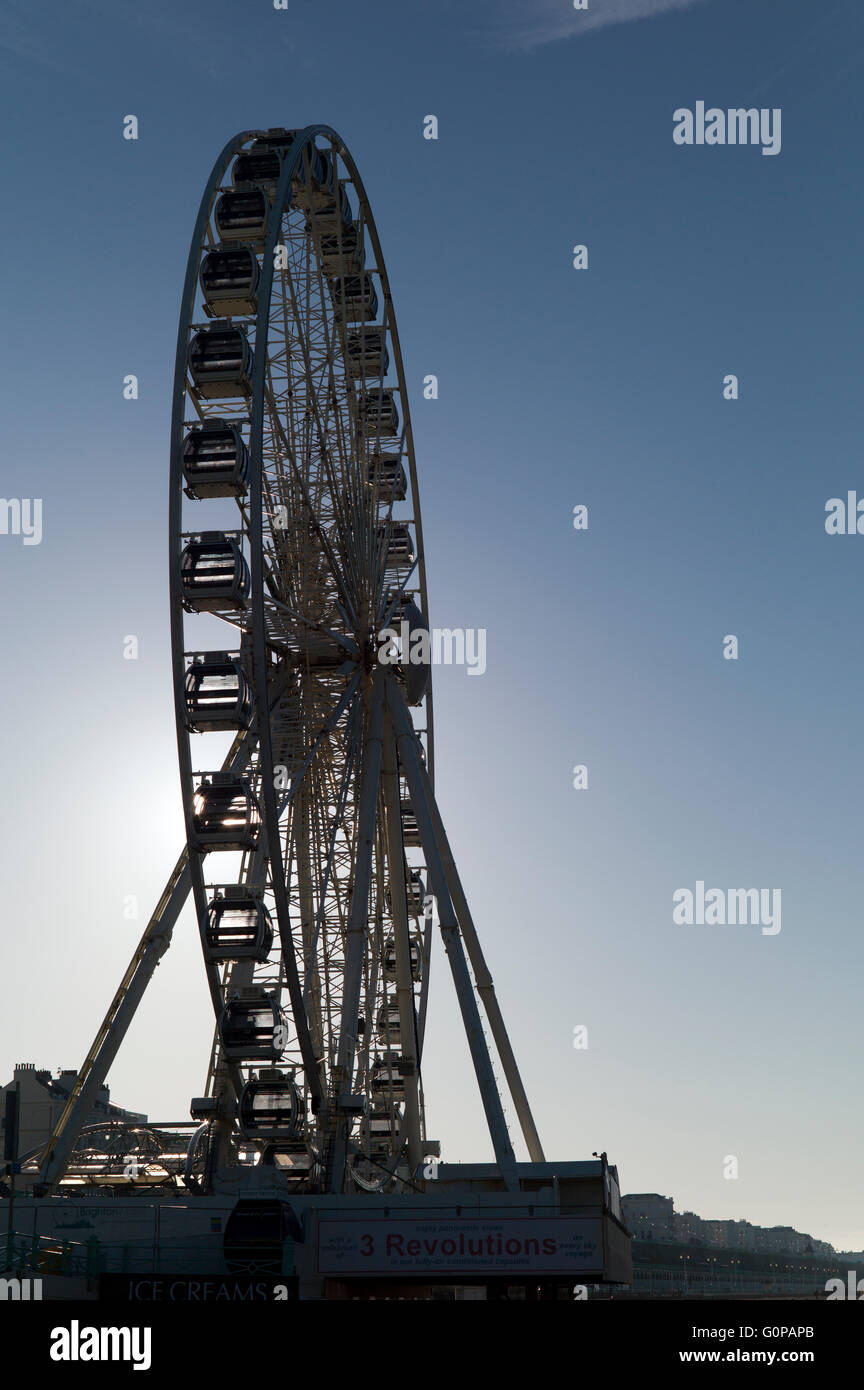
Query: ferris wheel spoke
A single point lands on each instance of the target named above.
(357, 926)
(346, 643)
(320, 737)
(318, 528)
(314, 395)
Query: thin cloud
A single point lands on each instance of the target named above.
(22, 40)
(551, 20)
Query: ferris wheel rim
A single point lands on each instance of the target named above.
(303, 139)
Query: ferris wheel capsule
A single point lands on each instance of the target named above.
(336, 216)
(229, 281)
(415, 892)
(271, 1108)
(386, 476)
(255, 1233)
(239, 926)
(277, 139)
(379, 412)
(312, 182)
(355, 299)
(341, 255)
(387, 1079)
(214, 575)
(396, 536)
(220, 362)
(218, 693)
(381, 1125)
(262, 162)
(215, 460)
(242, 215)
(387, 1023)
(253, 1028)
(390, 960)
(410, 828)
(366, 353)
(225, 813)
(415, 671)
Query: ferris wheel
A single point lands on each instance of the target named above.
(295, 524)
(315, 852)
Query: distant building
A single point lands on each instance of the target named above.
(41, 1101)
(776, 1240)
(648, 1216)
(690, 1229)
(733, 1235)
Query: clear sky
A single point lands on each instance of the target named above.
(558, 387)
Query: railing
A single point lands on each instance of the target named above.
(26, 1255)
(34, 1254)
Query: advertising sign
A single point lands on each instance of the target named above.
(482, 1245)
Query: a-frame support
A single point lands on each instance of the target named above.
(151, 948)
(422, 801)
(390, 720)
(485, 987)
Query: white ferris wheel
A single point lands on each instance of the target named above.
(315, 853)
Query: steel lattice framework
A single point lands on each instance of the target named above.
(316, 856)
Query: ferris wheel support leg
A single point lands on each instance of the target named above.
(150, 950)
(424, 991)
(152, 946)
(485, 986)
(402, 942)
(357, 929)
(407, 742)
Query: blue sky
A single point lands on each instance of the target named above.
(557, 387)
